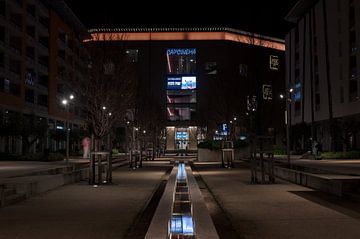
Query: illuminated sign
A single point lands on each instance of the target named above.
(188, 83)
(274, 63)
(182, 135)
(174, 83)
(267, 92)
(181, 83)
(181, 51)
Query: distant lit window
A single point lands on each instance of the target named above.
(243, 70)
(132, 55)
(211, 68)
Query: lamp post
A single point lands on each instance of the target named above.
(287, 97)
(66, 103)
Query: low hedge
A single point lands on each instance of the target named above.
(341, 155)
(49, 157)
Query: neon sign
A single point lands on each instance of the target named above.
(181, 51)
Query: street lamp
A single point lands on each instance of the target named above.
(66, 103)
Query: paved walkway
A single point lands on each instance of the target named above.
(339, 166)
(282, 210)
(82, 211)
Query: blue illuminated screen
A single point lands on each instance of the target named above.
(188, 83)
(182, 135)
(181, 82)
(182, 224)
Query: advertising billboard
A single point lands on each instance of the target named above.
(188, 82)
(181, 82)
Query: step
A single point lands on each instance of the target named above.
(9, 191)
(330, 183)
(13, 199)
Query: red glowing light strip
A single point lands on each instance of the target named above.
(178, 36)
(168, 62)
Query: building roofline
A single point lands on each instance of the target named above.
(299, 9)
(61, 8)
(184, 29)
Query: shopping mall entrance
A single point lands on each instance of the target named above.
(181, 139)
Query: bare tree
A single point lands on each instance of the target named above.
(109, 88)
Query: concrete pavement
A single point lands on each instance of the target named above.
(82, 211)
(281, 210)
(339, 166)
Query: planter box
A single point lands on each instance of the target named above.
(207, 155)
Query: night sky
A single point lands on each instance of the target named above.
(263, 17)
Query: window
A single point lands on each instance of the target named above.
(341, 94)
(211, 68)
(180, 112)
(61, 54)
(181, 61)
(29, 95)
(31, 9)
(2, 59)
(14, 89)
(132, 55)
(30, 52)
(62, 36)
(317, 102)
(44, 41)
(2, 33)
(30, 31)
(3, 8)
(340, 72)
(16, 43)
(15, 66)
(44, 80)
(16, 19)
(44, 21)
(60, 88)
(43, 100)
(340, 49)
(30, 77)
(339, 26)
(353, 90)
(243, 70)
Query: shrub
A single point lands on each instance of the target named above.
(54, 157)
(239, 144)
(210, 144)
(341, 155)
(115, 151)
(279, 151)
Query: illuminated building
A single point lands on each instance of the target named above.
(199, 78)
(40, 50)
(323, 66)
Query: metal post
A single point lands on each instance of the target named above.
(287, 122)
(99, 169)
(67, 134)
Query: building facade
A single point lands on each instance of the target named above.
(323, 70)
(198, 79)
(40, 51)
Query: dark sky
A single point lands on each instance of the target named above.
(261, 16)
